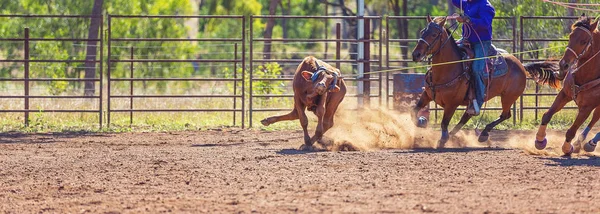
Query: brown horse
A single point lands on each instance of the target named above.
(581, 66)
(449, 82)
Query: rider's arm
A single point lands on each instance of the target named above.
(484, 20)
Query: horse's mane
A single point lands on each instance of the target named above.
(583, 21)
(439, 20)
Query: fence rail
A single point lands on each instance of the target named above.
(380, 52)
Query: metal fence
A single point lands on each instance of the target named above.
(379, 35)
(28, 60)
(237, 59)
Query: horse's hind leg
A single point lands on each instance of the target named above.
(586, 131)
(582, 115)
(463, 120)
(506, 104)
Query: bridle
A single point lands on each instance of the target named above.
(438, 38)
(587, 47)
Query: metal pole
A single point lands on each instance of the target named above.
(387, 62)
(521, 59)
(367, 64)
(26, 75)
(338, 36)
(380, 58)
(361, 45)
(101, 69)
(244, 70)
(131, 89)
(108, 76)
(235, 81)
(250, 82)
(514, 49)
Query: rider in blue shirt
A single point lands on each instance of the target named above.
(477, 29)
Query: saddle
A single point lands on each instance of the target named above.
(497, 65)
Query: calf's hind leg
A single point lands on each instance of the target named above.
(289, 116)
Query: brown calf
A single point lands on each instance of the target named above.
(319, 88)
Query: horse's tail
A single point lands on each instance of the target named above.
(544, 73)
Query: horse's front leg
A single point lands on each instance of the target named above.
(424, 100)
(448, 113)
(582, 115)
(586, 131)
(559, 102)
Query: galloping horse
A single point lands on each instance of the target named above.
(448, 84)
(581, 66)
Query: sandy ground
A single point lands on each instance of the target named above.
(247, 171)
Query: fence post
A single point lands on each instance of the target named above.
(244, 69)
(235, 47)
(108, 76)
(514, 49)
(131, 89)
(366, 79)
(250, 80)
(380, 58)
(338, 36)
(521, 59)
(101, 69)
(387, 61)
(26, 75)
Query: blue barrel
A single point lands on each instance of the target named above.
(409, 83)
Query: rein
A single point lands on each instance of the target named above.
(428, 75)
(576, 89)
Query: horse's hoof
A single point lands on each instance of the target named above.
(265, 122)
(589, 146)
(541, 144)
(306, 147)
(422, 122)
(442, 143)
(567, 148)
(483, 137)
(576, 147)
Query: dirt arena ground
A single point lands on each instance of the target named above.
(247, 171)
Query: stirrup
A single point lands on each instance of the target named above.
(474, 110)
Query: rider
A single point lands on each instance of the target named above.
(477, 28)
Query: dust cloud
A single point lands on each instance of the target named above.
(379, 128)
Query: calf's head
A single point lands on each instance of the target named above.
(322, 83)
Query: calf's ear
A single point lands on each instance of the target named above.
(307, 75)
(336, 89)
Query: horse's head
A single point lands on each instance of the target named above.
(580, 41)
(431, 39)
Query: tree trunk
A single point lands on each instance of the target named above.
(90, 66)
(568, 23)
(402, 26)
(269, 29)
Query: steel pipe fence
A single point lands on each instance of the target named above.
(383, 44)
(28, 60)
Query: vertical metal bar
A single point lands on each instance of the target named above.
(101, 69)
(235, 82)
(514, 49)
(380, 58)
(367, 64)
(521, 59)
(131, 89)
(338, 36)
(251, 68)
(387, 61)
(26, 75)
(108, 75)
(244, 69)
